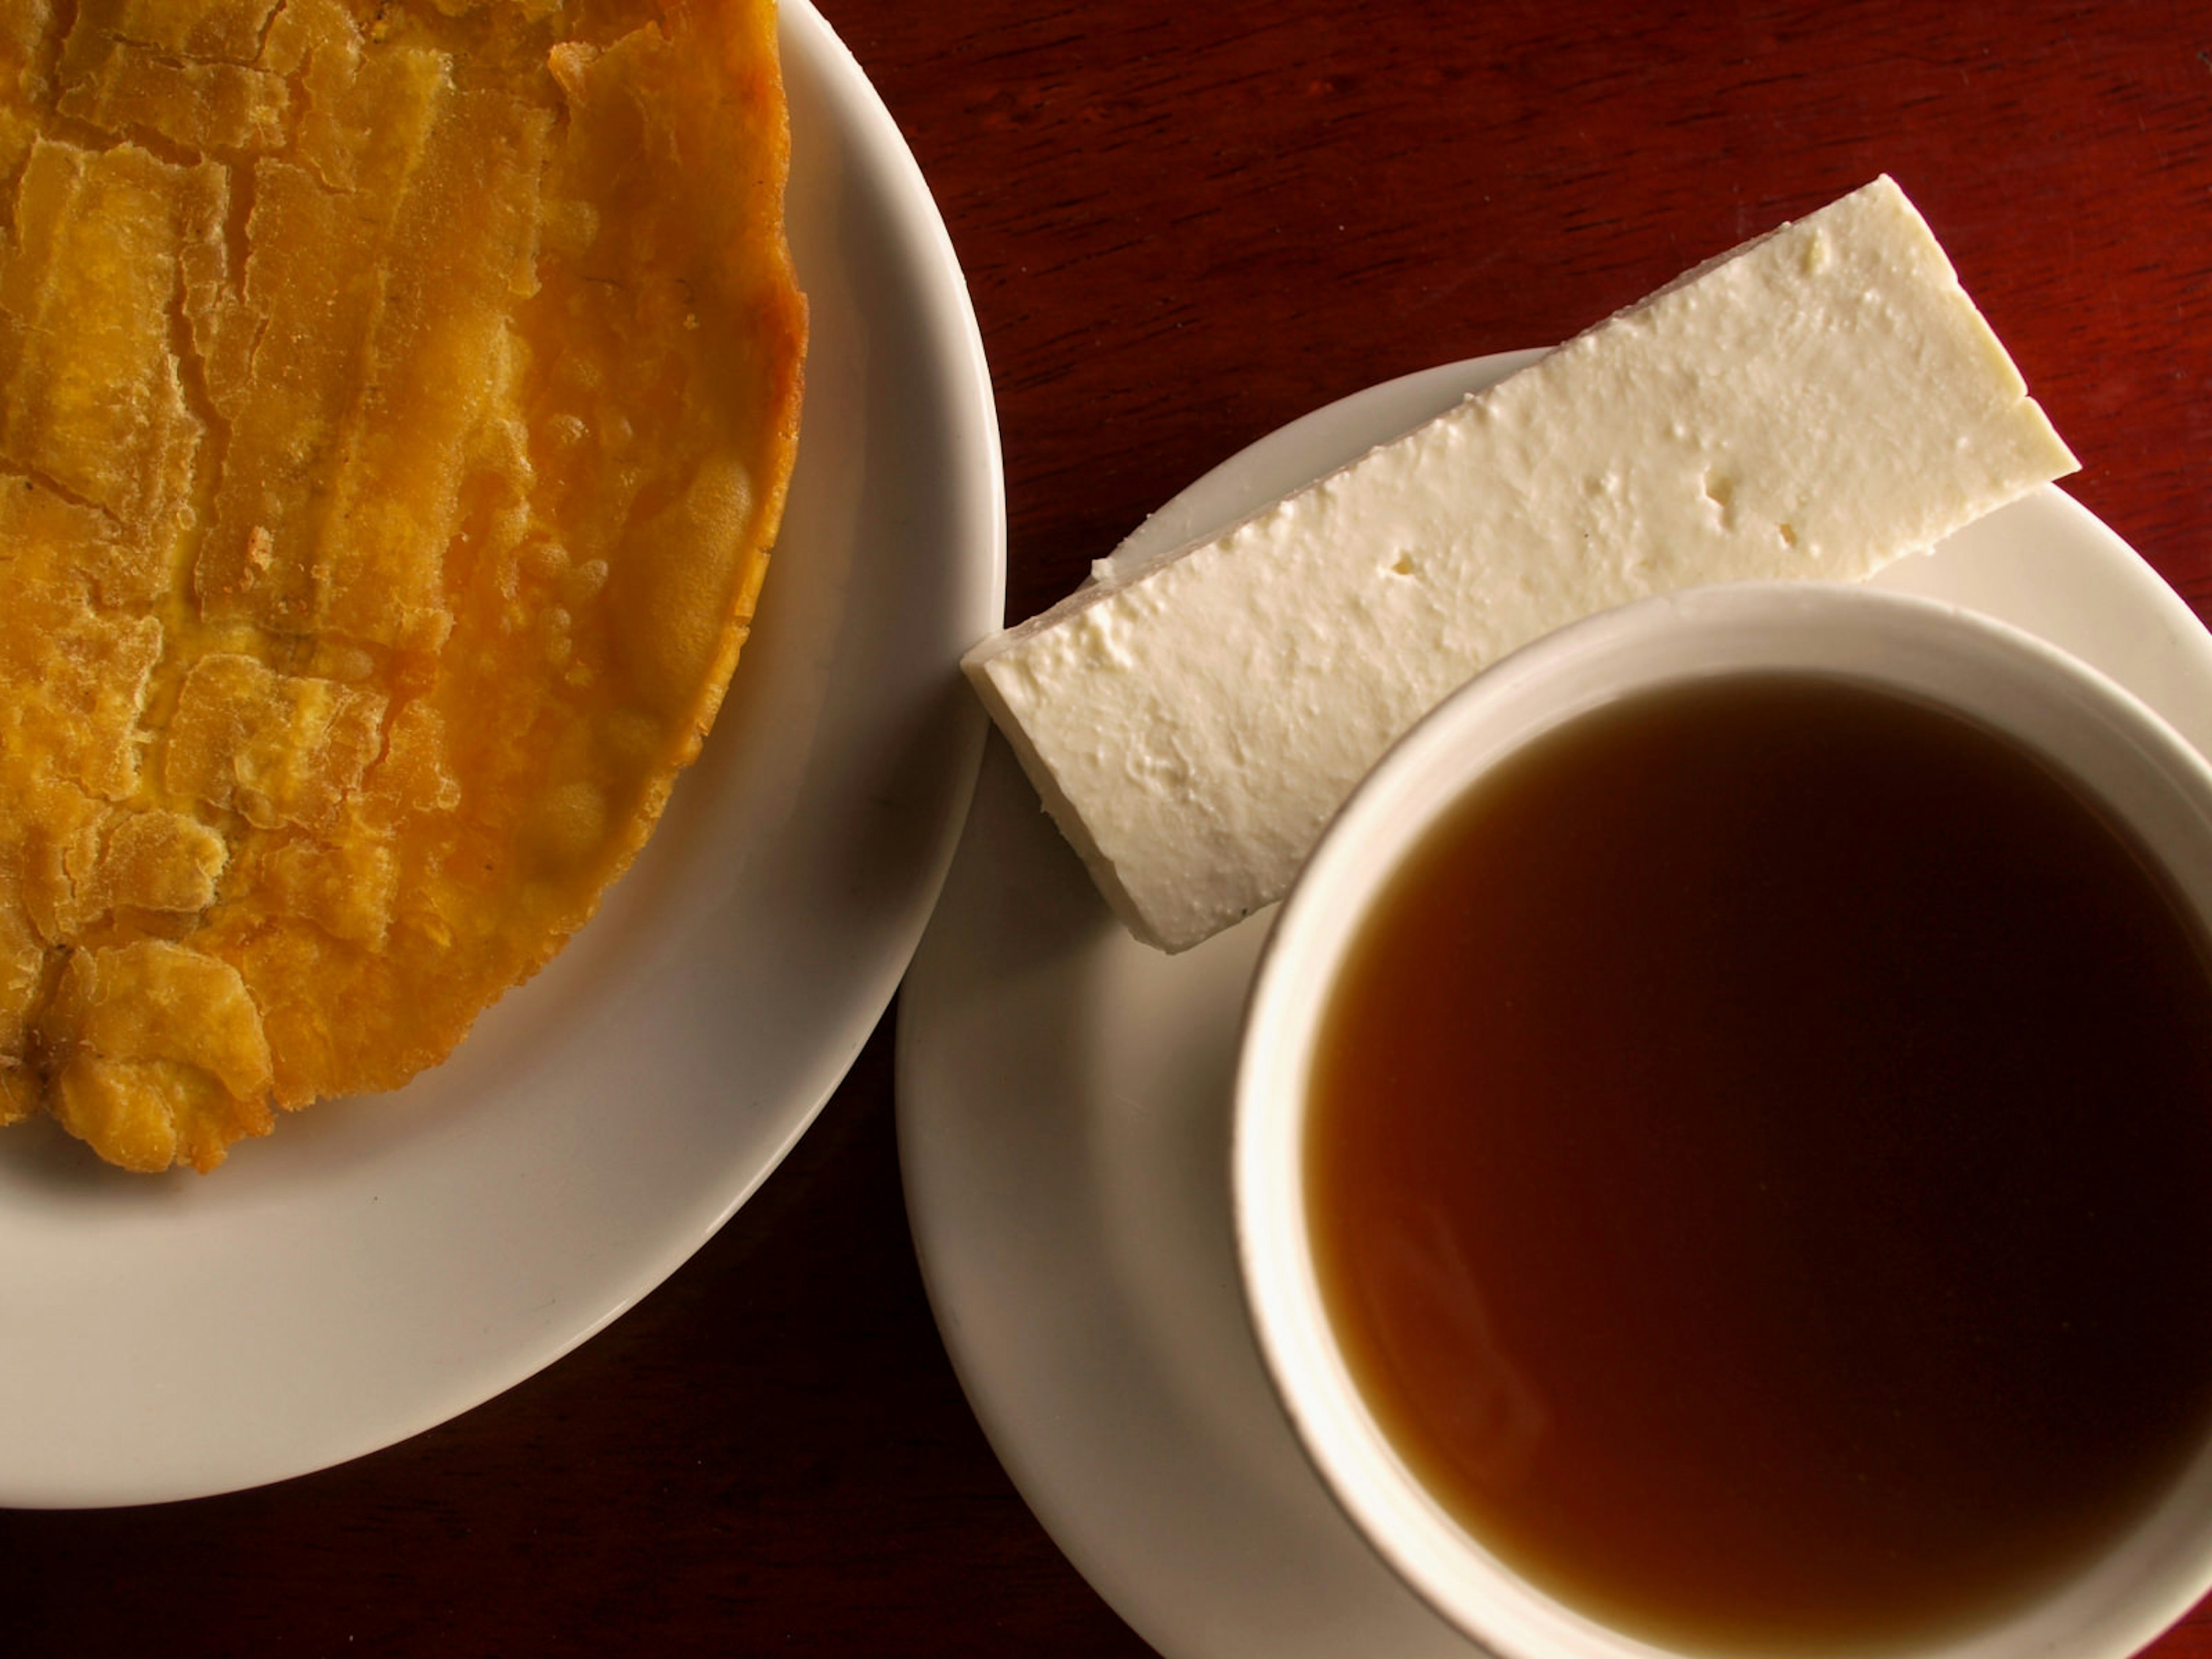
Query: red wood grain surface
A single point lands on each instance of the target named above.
(1184, 224)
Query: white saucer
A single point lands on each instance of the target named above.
(1063, 1125)
(379, 1265)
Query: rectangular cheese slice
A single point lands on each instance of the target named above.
(1814, 404)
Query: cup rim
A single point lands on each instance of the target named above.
(1883, 638)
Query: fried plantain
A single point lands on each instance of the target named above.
(396, 407)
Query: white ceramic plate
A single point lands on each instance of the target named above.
(382, 1264)
(1064, 1097)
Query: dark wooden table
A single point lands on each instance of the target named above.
(1185, 224)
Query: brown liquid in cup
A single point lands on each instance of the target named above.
(1760, 1168)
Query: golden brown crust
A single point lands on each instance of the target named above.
(396, 408)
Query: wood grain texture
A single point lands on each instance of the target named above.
(1183, 226)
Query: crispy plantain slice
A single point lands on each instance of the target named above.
(396, 407)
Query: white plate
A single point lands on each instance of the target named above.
(382, 1264)
(1063, 1125)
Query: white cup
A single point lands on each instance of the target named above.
(2045, 700)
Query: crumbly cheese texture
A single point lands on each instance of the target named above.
(1815, 405)
(396, 402)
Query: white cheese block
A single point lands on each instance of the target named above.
(1814, 404)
